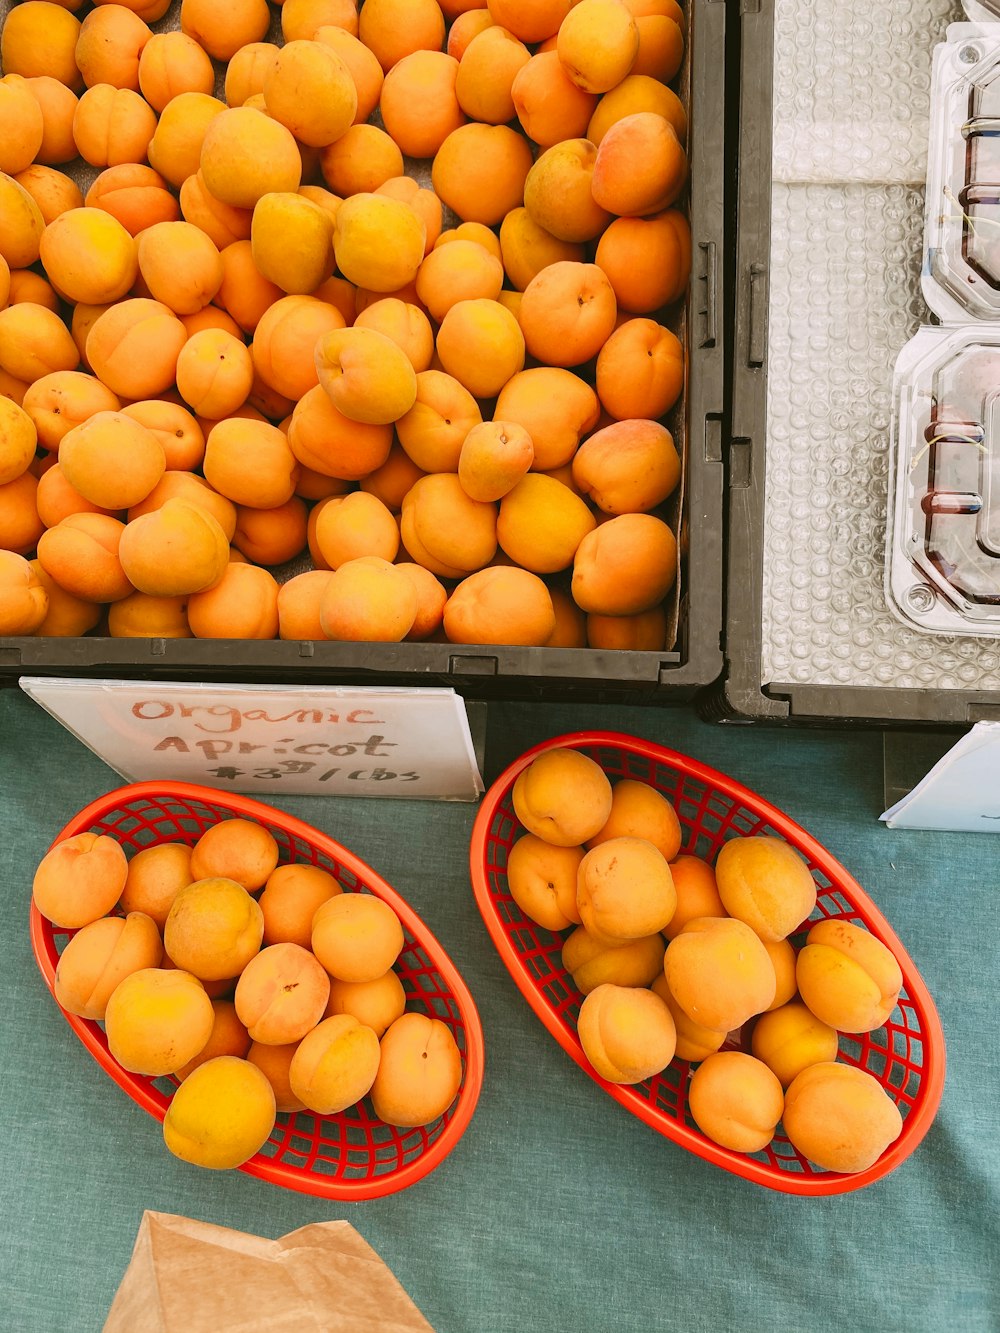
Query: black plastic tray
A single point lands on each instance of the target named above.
(674, 676)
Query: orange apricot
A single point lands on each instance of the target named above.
(133, 346)
(661, 37)
(250, 463)
(542, 523)
(214, 372)
(322, 438)
(625, 566)
(237, 849)
(405, 324)
(134, 194)
(481, 344)
(554, 406)
(156, 874)
(22, 126)
(362, 64)
(50, 191)
(58, 106)
(142, 616)
(355, 525)
(558, 195)
(647, 260)
(527, 248)
(640, 370)
(299, 602)
(500, 605)
(419, 1071)
(486, 75)
(171, 63)
(180, 266)
(19, 519)
(177, 430)
(34, 342)
(567, 313)
(245, 293)
(112, 460)
(392, 479)
(393, 29)
(467, 25)
(431, 600)
(495, 456)
(195, 490)
(433, 431)
(378, 241)
(245, 155)
(271, 536)
(242, 605)
(79, 880)
(360, 160)
(172, 551)
(222, 223)
(419, 102)
(109, 46)
(39, 39)
(18, 438)
(643, 137)
(366, 375)
(89, 256)
(112, 126)
(597, 44)
(309, 89)
(479, 171)
(292, 895)
(24, 602)
(222, 28)
(532, 20)
(368, 599)
(302, 19)
(21, 223)
(628, 467)
(548, 104)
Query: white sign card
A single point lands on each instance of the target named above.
(961, 793)
(318, 741)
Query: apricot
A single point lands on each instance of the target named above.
(840, 1117)
(378, 242)
(109, 46)
(21, 126)
(292, 242)
(366, 376)
(274, 1062)
(625, 566)
(486, 75)
(435, 428)
(471, 231)
(719, 972)
(791, 1038)
(111, 460)
(419, 102)
(548, 104)
(557, 192)
(281, 994)
(593, 962)
(18, 437)
(567, 313)
(221, 1114)
(24, 602)
(446, 531)
(250, 463)
(393, 29)
(299, 603)
(214, 373)
(405, 324)
(334, 1065)
(637, 92)
(697, 892)
(34, 342)
(213, 927)
(79, 879)
(766, 883)
(245, 155)
(480, 344)
(542, 881)
(67, 616)
(245, 293)
(222, 28)
(236, 849)
(99, 956)
(694, 1042)
(177, 549)
(360, 160)
(640, 370)
(554, 406)
(783, 958)
(194, 490)
(171, 63)
(242, 605)
(495, 456)
(323, 438)
(177, 430)
(419, 1072)
(112, 126)
(141, 616)
(309, 89)
(466, 25)
(628, 467)
(133, 347)
(180, 265)
(736, 1101)
(640, 811)
(58, 107)
(643, 137)
(134, 194)
(563, 797)
(40, 39)
(82, 554)
(626, 1033)
(848, 978)
(597, 45)
(531, 20)
(570, 629)
(424, 203)
(459, 271)
(362, 64)
(500, 605)
(157, 1019)
(222, 223)
(176, 146)
(271, 536)
(26, 285)
(21, 223)
(356, 936)
(156, 874)
(661, 37)
(527, 248)
(246, 71)
(292, 894)
(624, 890)
(302, 19)
(228, 1037)
(376, 1003)
(356, 525)
(542, 523)
(479, 171)
(19, 520)
(368, 599)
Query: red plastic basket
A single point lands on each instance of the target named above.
(353, 1155)
(907, 1056)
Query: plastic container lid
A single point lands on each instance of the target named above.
(942, 570)
(961, 270)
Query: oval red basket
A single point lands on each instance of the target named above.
(907, 1056)
(353, 1155)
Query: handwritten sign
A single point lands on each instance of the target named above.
(324, 740)
(961, 793)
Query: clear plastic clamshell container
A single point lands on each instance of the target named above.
(943, 524)
(982, 11)
(961, 270)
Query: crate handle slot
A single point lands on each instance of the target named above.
(709, 276)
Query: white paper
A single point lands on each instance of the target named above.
(315, 741)
(961, 793)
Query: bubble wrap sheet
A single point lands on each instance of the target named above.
(851, 103)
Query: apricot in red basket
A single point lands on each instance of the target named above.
(719, 972)
(334, 1065)
(697, 893)
(783, 959)
(155, 877)
(640, 811)
(292, 896)
(157, 1019)
(736, 1101)
(213, 929)
(376, 1003)
(765, 882)
(101, 955)
(563, 797)
(840, 1117)
(594, 963)
(356, 936)
(625, 890)
(221, 1114)
(228, 1037)
(79, 879)
(626, 1033)
(847, 977)
(275, 1062)
(239, 849)
(281, 994)
(542, 881)
(694, 1042)
(419, 1073)
(791, 1039)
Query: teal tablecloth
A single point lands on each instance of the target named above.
(557, 1211)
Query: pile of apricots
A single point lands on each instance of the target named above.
(261, 988)
(677, 957)
(382, 306)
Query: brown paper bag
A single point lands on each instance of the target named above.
(192, 1277)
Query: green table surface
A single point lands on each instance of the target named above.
(557, 1210)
